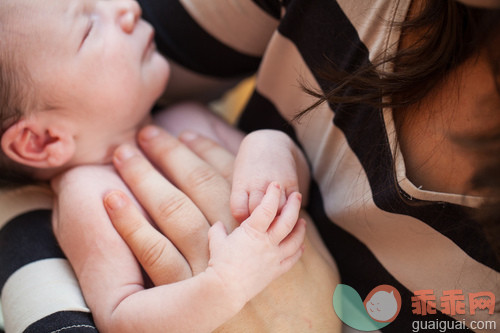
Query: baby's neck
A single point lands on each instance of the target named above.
(87, 154)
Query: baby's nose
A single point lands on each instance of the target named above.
(129, 13)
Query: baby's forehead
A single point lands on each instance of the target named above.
(20, 17)
(33, 28)
(25, 29)
(18, 12)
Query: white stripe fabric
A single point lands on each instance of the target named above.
(1, 318)
(38, 290)
(16, 201)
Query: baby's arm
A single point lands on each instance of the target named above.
(241, 265)
(265, 156)
(104, 265)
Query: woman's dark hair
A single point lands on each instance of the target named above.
(449, 34)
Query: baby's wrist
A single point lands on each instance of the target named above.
(232, 298)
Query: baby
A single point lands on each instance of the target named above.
(79, 78)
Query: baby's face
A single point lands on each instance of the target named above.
(92, 61)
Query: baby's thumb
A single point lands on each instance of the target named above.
(216, 234)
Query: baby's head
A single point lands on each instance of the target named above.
(77, 78)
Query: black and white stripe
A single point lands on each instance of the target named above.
(379, 227)
(39, 291)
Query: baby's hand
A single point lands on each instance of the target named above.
(262, 248)
(264, 156)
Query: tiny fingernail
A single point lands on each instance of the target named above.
(149, 133)
(299, 196)
(124, 153)
(114, 200)
(277, 185)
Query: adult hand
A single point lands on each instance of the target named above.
(196, 195)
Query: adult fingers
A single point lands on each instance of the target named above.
(201, 182)
(211, 152)
(173, 212)
(159, 257)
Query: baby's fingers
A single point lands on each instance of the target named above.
(292, 246)
(216, 235)
(264, 214)
(288, 263)
(287, 220)
(254, 199)
(239, 205)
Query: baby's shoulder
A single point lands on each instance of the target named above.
(88, 179)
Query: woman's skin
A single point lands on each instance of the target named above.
(198, 196)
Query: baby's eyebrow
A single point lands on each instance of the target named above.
(73, 10)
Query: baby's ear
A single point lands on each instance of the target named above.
(34, 144)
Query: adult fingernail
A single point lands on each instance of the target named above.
(188, 136)
(149, 133)
(114, 200)
(123, 153)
